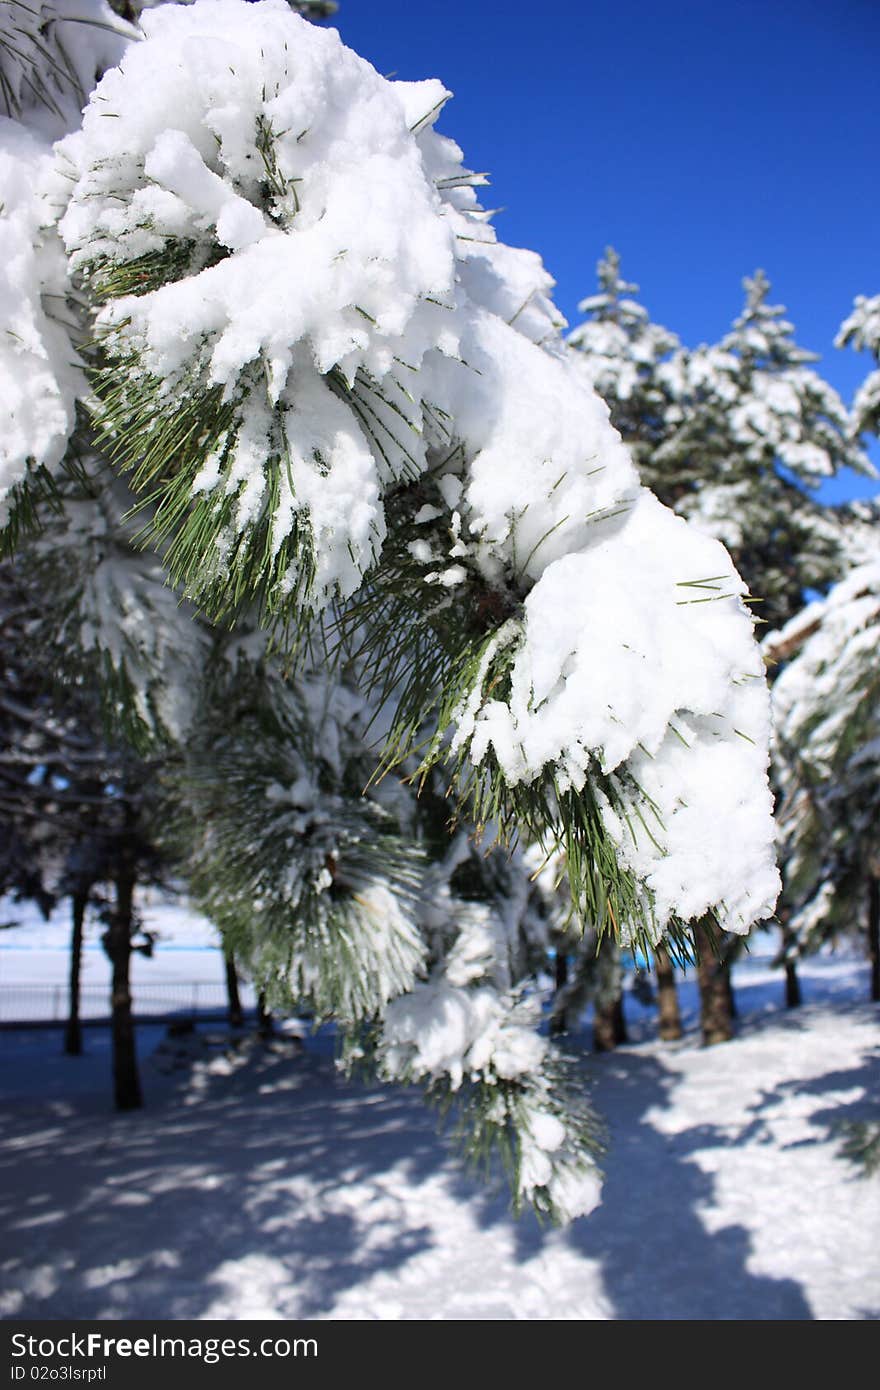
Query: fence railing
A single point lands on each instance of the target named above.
(39, 1002)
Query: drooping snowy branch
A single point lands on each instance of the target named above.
(305, 320)
(40, 376)
(862, 332)
(52, 53)
(827, 716)
(469, 1034)
(327, 403)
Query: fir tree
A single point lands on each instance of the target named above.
(734, 437)
(78, 808)
(753, 430)
(623, 351)
(827, 701)
(862, 332)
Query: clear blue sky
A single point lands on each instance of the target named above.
(700, 139)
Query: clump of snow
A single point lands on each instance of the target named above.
(291, 163)
(655, 678)
(40, 377)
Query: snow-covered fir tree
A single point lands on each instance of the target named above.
(78, 809)
(736, 437)
(255, 294)
(623, 350)
(755, 431)
(862, 332)
(827, 706)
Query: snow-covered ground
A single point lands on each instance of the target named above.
(257, 1183)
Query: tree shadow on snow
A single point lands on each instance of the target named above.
(265, 1192)
(275, 1188)
(658, 1261)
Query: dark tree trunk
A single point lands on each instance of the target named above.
(265, 1025)
(558, 1020)
(727, 977)
(236, 1014)
(669, 1015)
(609, 1025)
(73, 1031)
(793, 997)
(874, 934)
(716, 995)
(117, 942)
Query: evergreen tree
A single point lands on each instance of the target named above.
(360, 455)
(734, 437)
(50, 781)
(862, 332)
(827, 702)
(78, 809)
(753, 430)
(623, 351)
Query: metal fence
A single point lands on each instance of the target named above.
(39, 1002)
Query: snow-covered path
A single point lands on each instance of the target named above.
(265, 1186)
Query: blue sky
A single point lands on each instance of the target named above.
(701, 139)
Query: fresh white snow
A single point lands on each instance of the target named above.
(261, 1184)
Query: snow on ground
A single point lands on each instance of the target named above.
(257, 1183)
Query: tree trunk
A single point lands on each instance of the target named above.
(727, 977)
(669, 1014)
(236, 1014)
(716, 996)
(73, 1031)
(793, 996)
(609, 1025)
(874, 934)
(265, 1025)
(558, 1019)
(117, 942)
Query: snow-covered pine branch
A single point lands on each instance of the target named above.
(862, 332)
(52, 52)
(307, 327)
(827, 717)
(345, 410)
